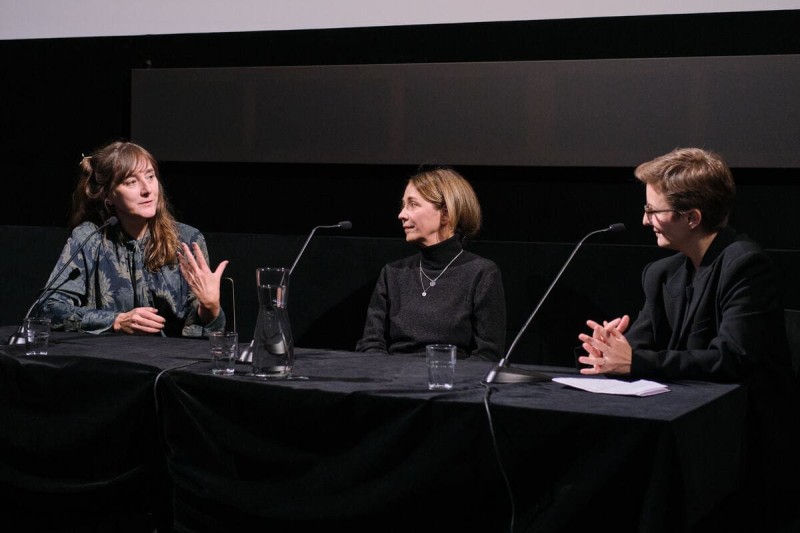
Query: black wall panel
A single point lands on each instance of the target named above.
(595, 113)
(60, 98)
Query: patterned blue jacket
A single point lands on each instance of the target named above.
(112, 279)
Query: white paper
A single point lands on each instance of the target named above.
(642, 387)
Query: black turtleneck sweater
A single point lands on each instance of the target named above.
(465, 307)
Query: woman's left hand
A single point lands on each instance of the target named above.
(202, 280)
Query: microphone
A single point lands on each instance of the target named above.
(345, 224)
(19, 336)
(502, 372)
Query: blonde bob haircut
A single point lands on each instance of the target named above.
(451, 192)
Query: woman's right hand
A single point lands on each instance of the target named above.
(139, 321)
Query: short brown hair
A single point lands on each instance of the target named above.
(693, 178)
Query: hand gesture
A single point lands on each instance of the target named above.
(202, 280)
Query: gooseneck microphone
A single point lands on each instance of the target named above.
(345, 224)
(502, 372)
(19, 336)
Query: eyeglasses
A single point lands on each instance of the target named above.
(649, 212)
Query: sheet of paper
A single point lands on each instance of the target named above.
(642, 387)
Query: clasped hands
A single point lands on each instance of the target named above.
(607, 349)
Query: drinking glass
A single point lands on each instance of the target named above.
(224, 350)
(37, 336)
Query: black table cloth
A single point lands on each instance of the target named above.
(356, 440)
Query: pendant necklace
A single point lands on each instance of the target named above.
(433, 280)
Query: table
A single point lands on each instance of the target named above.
(359, 442)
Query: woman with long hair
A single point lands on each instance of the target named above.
(148, 274)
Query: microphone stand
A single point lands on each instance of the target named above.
(502, 372)
(19, 337)
(233, 302)
(345, 224)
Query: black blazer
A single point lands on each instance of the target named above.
(723, 324)
(726, 324)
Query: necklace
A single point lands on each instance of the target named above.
(433, 280)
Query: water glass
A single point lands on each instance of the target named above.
(224, 351)
(441, 359)
(37, 336)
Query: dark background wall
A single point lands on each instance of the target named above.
(63, 97)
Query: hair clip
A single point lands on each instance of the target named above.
(84, 158)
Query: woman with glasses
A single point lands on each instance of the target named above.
(712, 311)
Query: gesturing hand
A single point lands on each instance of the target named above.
(202, 280)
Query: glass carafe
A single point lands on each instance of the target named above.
(273, 347)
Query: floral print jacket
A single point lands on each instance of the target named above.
(109, 277)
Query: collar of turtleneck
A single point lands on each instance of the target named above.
(436, 257)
